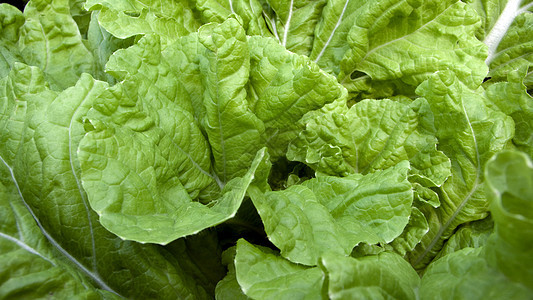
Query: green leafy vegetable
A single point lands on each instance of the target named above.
(331, 149)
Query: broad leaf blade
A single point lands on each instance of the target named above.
(251, 13)
(331, 31)
(394, 46)
(477, 133)
(264, 275)
(510, 190)
(38, 121)
(382, 276)
(332, 214)
(294, 23)
(11, 19)
(500, 269)
(124, 19)
(373, 135)
(233, 131)
(42, 45)
(507, 33)
(511, 97)
(284, 87)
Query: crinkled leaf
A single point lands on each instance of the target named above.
(124, 18)
(412, 234)
(469, 133)
(331, 31)
(61, 54)
(466, 275)
(39, 137)
(294, 22)
(511, 97)
(11, 19)
(394, 46)
(184, 62)
(507, 32)
(103, 44)
(264, 275)
(250, 11)
(148, 80)
(382, 276)
(332, 214)
(283, 87)
(300, 225)
(474, 235)
(31, 265)
(501, 269)
(373, 135)
(136, 170)
(233, 130)
(228, 287)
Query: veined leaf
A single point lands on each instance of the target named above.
(284, 87)
(250, 11)
(510, 190)
(477, 133)
(11, 20)
(373, 135)
(124, 18)
(294, 22)
(501, 268)
(507, 33)
(332, 214)
(382, 276)
(331, 31)
(40, 133)
(511, 97)
(394, 46)
(233, 130)
(261, 274)
(40, 31)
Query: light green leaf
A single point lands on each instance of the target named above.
(412, 234)
(284, 87)
(300, 225)
(511, 97)
(147, 79)
(80, 15)
(372, 206)
(11, 19)
(228, 287)
(382, 276)
(507, 33)
(510, 190)
(373, 135)
(103, 44)
(469, 133)
(140, 175)
(40, 131)
(264, 275)
(233, 131)
(501, 269)
(294, 23)
(124, 18)
(31, 265)
(474, 235)
(466, 275)
(332, 214)
(394, 46)
(183, 57)
(43, 45)
(250, 11)
(331, 31)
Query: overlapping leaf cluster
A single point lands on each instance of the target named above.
(260, 149)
